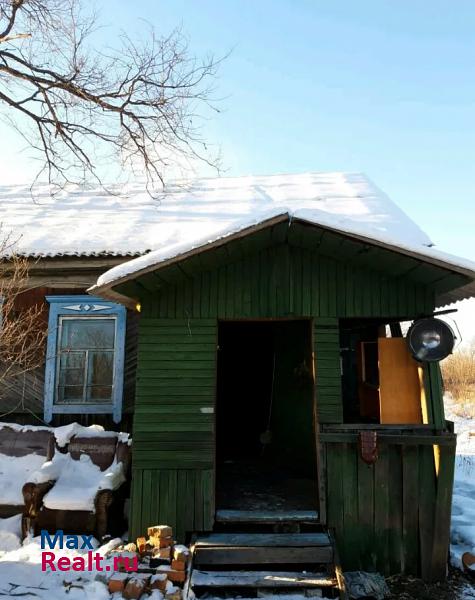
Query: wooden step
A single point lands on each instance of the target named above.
(263, 548)
(266, 517)
(263, 556)
(260, 579)
(263, 539)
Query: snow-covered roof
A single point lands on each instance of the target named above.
(81, 221)
(216, 209)
(129, 222)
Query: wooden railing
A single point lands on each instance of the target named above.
(394, 515)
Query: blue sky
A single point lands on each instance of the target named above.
(375, 86)
(383, 87)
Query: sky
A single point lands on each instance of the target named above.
(382, 87)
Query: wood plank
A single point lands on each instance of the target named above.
(135, 511)
(339, 575)
(443, 508)
(208, 487)
(427, 496)
(235, 555)
(261, 579)
(410, 519)
(395, 508)
(181, 505)
(399, 387)
(266, 516)
(381, 510)
(366, 513)
(436, 397)
(350, 507)
(263, 539)
(422, 440)
(375, 427)
(334, 501)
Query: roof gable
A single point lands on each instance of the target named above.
(271, 235)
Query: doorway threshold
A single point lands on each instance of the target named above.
(257, 517)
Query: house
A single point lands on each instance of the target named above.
(271, 368)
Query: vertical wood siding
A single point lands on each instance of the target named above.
(285, 281)
(176, 374)
(392, 516)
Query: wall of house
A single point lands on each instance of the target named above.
(21, 397)
(176, 376)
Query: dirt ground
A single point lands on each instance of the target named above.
(457, 587)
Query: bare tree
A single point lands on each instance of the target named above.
(78, 105)
(23, 327)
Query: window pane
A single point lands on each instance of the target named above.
(71, 377)
(101, 366)
(72, 360)
(87, 334)
(100, 393)
(70, 394)
(100, 375)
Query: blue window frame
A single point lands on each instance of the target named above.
(84, 357)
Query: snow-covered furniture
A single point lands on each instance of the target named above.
(22, 452)
(88, 491)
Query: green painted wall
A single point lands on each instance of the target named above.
(173, 456)
(392, 516)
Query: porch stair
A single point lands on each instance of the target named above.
(260, 564)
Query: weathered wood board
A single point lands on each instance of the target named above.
(260, 579)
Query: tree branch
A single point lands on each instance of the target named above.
(140, 103)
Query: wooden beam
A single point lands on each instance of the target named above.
(447, 439)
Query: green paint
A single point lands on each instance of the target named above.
(281, 273)
(403, 509)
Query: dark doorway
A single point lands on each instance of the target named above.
(266, 450)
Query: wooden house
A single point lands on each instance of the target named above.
(269, 345)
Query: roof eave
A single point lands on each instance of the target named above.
(107, 290)
(102, 290)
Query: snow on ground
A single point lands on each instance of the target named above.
(10, 531)
(15, 471)
(463, 504)
(21, 573)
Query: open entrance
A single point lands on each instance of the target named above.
(266, 450)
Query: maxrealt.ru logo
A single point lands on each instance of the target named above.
(91, 561)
